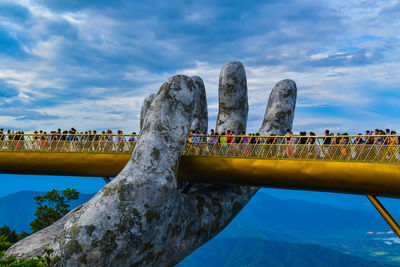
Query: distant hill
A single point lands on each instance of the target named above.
(307, 219)
(254, 252)
(342, 201)
(17, 210)
(302, 221)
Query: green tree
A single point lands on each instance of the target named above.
(51, 207)
(39, 261)
(4, 243)
(11, 235)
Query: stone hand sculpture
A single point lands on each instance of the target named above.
(141, 218)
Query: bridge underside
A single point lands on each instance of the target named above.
(328, 176)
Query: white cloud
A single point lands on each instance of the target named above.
(319, 56)
(47, 49)
(108, 113)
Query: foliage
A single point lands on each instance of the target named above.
(11, 235)
(46, 261)
(4, 244)
(51, 207)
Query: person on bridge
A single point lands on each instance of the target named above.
(190, 147)
(132, 142)
(212, 140)
(314, 149)
(2, 137)
(290, 142)
(224, 144)
(326, 144)
(245, 143)
(120, 141)
(393, 142)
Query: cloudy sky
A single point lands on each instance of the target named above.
(89, 64)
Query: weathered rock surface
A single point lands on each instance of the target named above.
(145, 107)
(232, 95)
(280, 109)
(140, 218)
(200, 115)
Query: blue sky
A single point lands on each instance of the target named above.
(89, 64)
(14, 183)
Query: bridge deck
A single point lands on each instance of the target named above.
(347, 165)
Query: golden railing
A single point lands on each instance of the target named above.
(71, 143)
(359, 148)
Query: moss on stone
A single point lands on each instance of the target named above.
(147, 246)
(149, 257)
(90, 229)
(121, 193)
(94, 243)
(72, 247)
(120, 256)
(281, 115)
(155, 153)
(174, 230)
(109, 240)
(74, 231)
(83, 259)
(192, 209)
(151, 215)
(122, 226)
(188, 230)
(136, 213)
(107, 191)
(200, 206)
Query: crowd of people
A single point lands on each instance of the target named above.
(372, 144)
(67, 140)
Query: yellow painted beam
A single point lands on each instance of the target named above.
(68, 164)
(385, 214)
(328, 176)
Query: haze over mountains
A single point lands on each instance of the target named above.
(251, 251)
(268, 224)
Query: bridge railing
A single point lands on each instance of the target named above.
(361, 148)
(72, 143)
(364, 148)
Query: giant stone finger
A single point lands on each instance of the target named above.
(279, 113)
(200, 115)
(232, 95)
(145, 107)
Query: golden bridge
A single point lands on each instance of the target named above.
(354, 164)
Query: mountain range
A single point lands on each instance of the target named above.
(250, 251)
